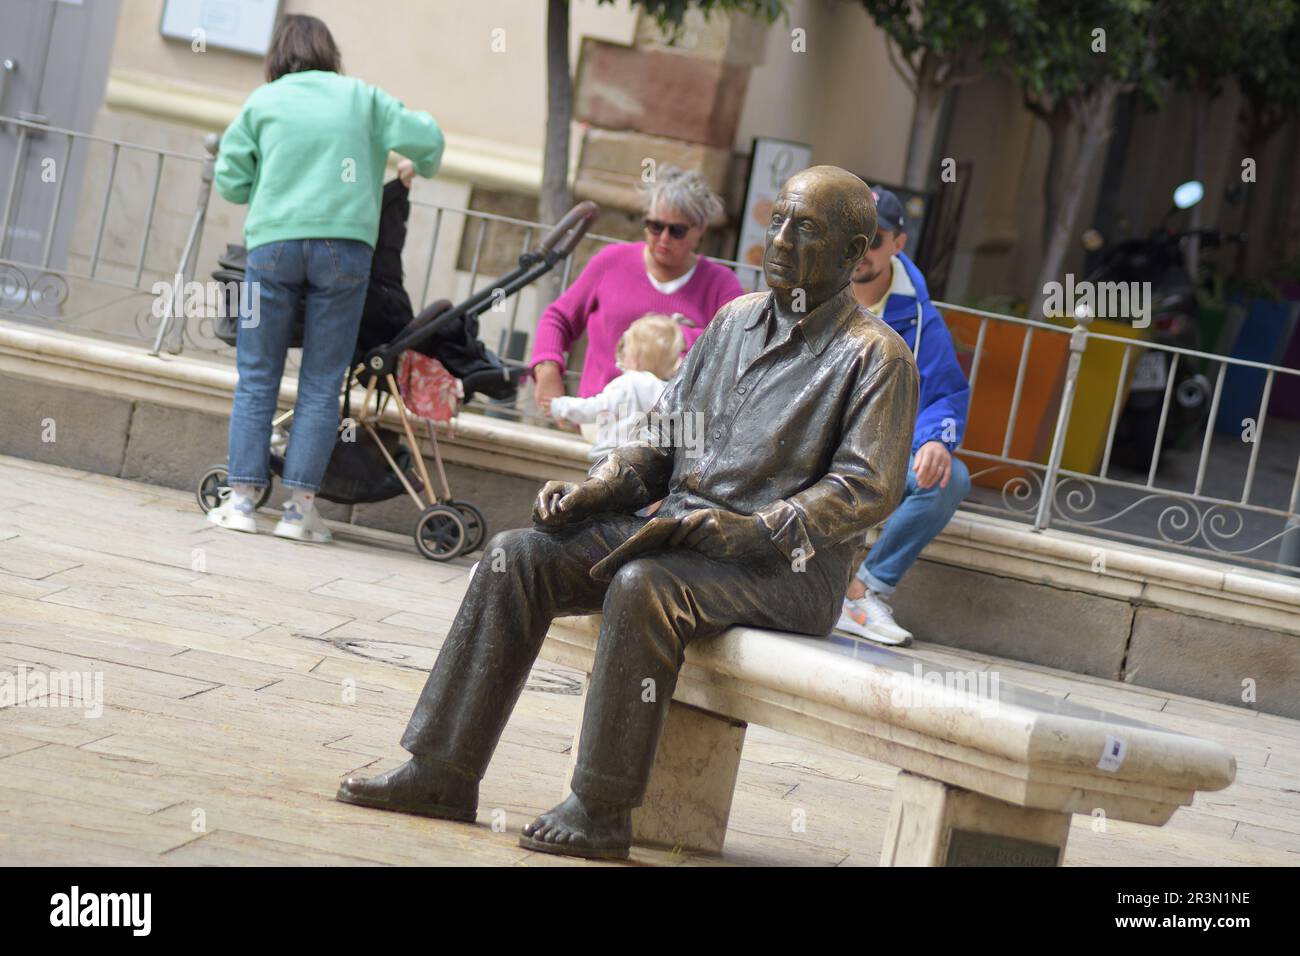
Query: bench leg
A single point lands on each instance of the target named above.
(688, 800)
(937, 824)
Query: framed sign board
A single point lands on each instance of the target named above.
(774, 161)
(244, 26)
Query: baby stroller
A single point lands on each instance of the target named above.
(383, 467)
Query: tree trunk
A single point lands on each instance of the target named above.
(1256, 126)
(1058, 148)
(1200, 109)
(555, 198)
(1252, 142)
(1093, 127)
(925, 126)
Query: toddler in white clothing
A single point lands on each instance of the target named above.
(648, 354)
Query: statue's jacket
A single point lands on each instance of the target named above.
(811, 433)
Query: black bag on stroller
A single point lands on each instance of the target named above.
(358, 473)
(389, 312)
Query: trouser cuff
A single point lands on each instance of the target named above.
(600, 788)
(874, 583)
(300, 485)
(444, 766)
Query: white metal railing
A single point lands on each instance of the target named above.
(1254, 527)
(32, 285)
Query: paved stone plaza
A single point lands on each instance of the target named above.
(243, 676)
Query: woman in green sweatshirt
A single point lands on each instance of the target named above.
(307, 153)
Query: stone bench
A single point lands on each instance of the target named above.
(989, 773)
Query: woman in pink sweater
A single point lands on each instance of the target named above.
(626, 280)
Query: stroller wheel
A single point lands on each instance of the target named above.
(213, 489)
(440, 533)
(475, 525)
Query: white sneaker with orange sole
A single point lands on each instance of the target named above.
(870, 617)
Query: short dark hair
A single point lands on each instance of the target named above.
(301, 43)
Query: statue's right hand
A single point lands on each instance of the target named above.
(560, 502)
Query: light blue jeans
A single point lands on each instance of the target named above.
(920, 516)
(330, 277)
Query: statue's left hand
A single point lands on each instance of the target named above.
(720, 534)
(560, 502)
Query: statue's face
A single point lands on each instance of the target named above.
(803, 244)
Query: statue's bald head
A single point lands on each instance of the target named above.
(822, 222)
(843, 198)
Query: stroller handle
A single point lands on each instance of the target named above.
(559, 242)
(568, 232)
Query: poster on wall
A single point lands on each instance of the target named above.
(774, 161)
(244, 26)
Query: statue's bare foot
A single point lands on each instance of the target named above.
(415, 787)
(578, 828)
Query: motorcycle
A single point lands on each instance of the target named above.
(1158, 259)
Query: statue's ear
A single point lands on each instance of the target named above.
(857, 247)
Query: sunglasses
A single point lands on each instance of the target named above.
(677, 230)
(875, 243)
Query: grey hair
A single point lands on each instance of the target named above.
(684, 191)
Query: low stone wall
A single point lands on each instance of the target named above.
(169, 446)
(1111, 610)
(1178, 624)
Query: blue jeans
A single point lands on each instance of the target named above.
(914, 523)
(330, 276)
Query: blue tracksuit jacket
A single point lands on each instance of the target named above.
(945, 393)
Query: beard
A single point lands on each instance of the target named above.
(867, 275)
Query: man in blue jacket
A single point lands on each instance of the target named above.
(889, 285)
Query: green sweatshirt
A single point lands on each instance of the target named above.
(307, 153)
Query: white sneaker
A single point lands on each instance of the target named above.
(235, 513)
(302, 526)
(870, 617)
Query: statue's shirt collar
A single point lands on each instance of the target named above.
(820, 325)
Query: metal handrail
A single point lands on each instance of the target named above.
(91, 137)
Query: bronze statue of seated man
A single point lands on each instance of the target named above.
(807, 404)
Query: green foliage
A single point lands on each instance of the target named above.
(1268, 69)
(946, 28)
(1208, 41)
(1057, 60)
(670, 14)
(999, 302)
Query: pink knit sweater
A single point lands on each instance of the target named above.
(614, 291)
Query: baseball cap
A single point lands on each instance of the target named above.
(889, 211)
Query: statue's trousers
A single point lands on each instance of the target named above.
(652, 608)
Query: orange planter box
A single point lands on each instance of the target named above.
(990, 403)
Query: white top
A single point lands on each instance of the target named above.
(618, 411)
(672, 285)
